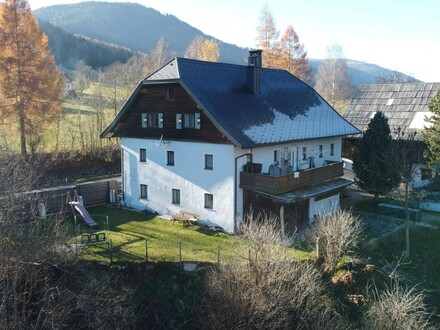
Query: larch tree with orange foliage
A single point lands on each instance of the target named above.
(203, 49)
(293, 56)
(267, 39)
(31, 85)
(285, 53)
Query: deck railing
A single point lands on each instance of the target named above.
(282, 184)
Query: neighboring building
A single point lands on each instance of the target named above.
(218, 139)
(405, 105)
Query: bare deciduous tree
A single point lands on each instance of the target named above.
(332, 79)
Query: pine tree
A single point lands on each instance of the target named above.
(31, 86)
(372, 163)
(431, 135)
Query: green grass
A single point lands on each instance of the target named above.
(423, 266)
(129, 231)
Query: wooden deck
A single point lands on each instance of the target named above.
(277, 185)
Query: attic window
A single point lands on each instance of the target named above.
(390, 101)
(170, 94)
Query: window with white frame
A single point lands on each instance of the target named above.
(304, 153)
(142, 155)
(175, 198)
(152, 119)
(209, 162)
(144, 191)
(209, 201)
(332, 149)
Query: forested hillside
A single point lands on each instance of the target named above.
(68, 49)
(139, 28)
(131, 25)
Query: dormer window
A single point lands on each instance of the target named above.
(170, 94)
(152, 120)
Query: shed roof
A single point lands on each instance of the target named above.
(405, 105)
(285, 109)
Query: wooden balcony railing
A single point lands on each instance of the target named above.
(282, 184)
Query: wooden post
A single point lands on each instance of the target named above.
(76, 248)
(283, 232)
(180, 254)
(146, 252)
(111, 251)
(317, 247)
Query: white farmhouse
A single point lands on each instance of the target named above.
(218, 139)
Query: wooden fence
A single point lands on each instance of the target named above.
(55, 199)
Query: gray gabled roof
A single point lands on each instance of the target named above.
(405, 105)
(285, 109)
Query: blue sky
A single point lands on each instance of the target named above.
(401, 35)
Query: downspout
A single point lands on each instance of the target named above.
(122, 170)
(236, 187)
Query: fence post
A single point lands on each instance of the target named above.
(76, 248)
(180, 254)
(317, 247)
(111, 251)
(146, 252)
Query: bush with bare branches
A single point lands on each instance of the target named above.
(263, 288)
(41, 283)
(397, 308)
(336, 234)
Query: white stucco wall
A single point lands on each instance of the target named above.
(417, 181)
(188, 175)
(323, 206)
(265, 155)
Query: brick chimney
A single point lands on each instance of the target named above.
(253, 73)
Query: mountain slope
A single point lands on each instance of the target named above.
(132, 26)
(139, 28)
(362, 72)
(68, 49)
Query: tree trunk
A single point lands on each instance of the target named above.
(22, 132)
(407, 219)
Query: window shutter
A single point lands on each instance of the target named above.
(144, 120)
(160, 120)
(178, 120)
(198, 120)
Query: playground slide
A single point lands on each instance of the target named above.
(84, 214)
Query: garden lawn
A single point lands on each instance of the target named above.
(423, 266)
(129, 231)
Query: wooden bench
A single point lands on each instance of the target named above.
(185, 217)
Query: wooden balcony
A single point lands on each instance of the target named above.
(277, 185)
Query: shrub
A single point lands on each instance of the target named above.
(336, 235)
(397, 308)
(263, 289)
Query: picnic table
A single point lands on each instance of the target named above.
(185, 217)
